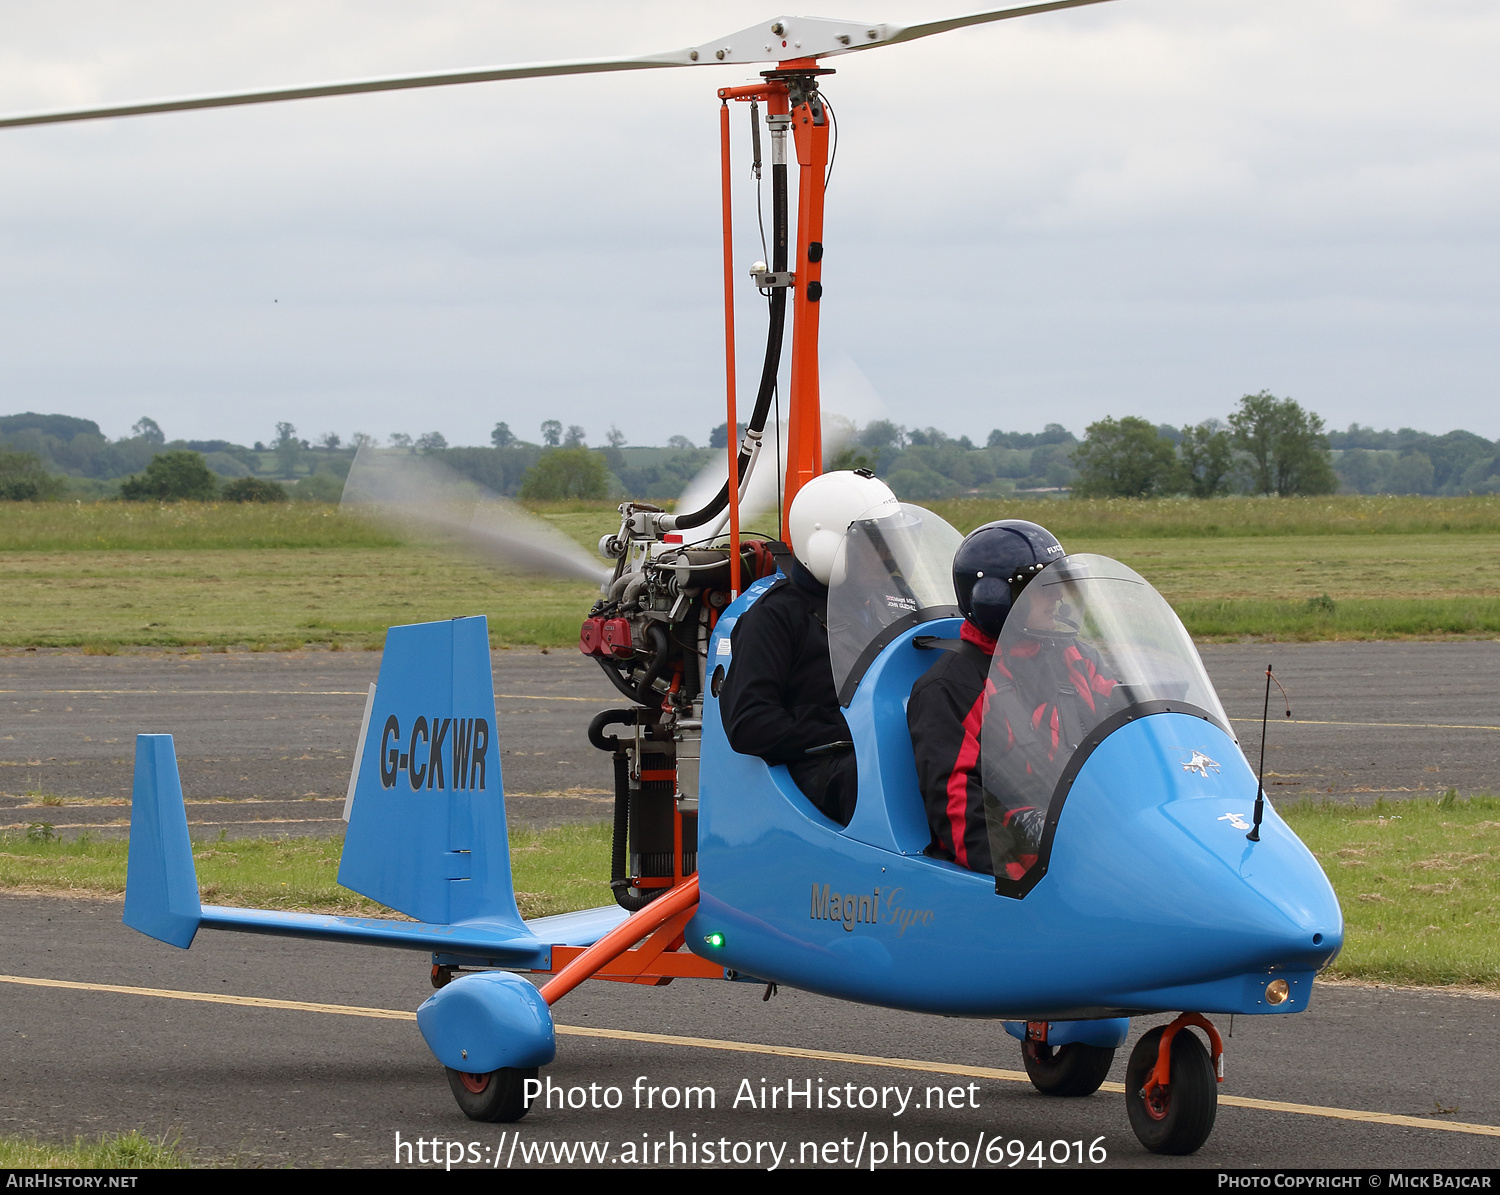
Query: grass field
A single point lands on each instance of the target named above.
(1191, 518)
(113, 1151)
(555, 871)
(112, 575)
(270, 600)
(181, 526)
(1419, 881)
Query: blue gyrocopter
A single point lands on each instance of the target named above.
(1157, 886)
(1146, 895)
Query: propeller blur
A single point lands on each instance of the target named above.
(402, 490)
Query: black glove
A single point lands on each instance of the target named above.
(1028, 825)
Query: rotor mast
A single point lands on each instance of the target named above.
(793, 105)
(805, 417)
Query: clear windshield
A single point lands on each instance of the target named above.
(1087, 639)
(889, 573)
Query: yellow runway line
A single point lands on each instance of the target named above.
(192, 692)
(986, 1072)
(741, 1047)
(1378, 725)
(345, 1010)
(263, 693)
(553, 697)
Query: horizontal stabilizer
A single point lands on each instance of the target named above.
(504, 943)
(527, 948)
(161, 885)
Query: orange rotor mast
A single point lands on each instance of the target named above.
(788, 92)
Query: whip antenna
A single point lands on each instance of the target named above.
(1260, 780)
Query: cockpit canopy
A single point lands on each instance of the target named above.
(890, 574)
(1087, 644)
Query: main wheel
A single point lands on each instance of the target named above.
(498, 1096)
(1179, 1119)
(1070, 1070)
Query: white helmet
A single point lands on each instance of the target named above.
(822, 511)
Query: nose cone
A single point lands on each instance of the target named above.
(1151, 850)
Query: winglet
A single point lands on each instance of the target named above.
(161, 885)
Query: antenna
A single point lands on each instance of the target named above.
(1260, 780)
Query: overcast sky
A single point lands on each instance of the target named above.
(1150, 208)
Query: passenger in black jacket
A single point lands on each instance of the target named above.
(778, 700)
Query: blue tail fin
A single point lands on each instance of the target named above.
(161, 886)
(427, 830)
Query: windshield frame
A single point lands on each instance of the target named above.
(915, 540)
(1140, 638)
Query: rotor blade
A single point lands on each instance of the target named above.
(406, 491)
(901, 33)
(771, 41)
(530, 70)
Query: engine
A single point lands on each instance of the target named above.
(650, 632)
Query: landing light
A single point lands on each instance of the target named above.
(1277, 992)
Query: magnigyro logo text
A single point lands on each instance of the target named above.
(874, 909)
(466, 741)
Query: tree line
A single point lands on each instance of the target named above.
(1267, 445)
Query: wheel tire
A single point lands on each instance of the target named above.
(1181, 1121)
(497, 1097)
(1071, 1070)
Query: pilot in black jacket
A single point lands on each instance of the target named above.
(779, 700)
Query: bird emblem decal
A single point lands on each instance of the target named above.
(1200, 763)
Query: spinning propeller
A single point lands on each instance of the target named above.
(403, 490)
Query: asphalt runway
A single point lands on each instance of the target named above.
(1383, 1078)
(275, 1086)
(265, 741)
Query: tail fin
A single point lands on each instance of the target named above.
(427, 831)
(161, 886)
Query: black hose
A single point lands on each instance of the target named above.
(661, 654)
(608, 742)
(619, 880)
(627, 690)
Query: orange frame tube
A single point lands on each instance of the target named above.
(620, 939)
(732, 437)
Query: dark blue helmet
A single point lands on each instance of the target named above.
(994, 564)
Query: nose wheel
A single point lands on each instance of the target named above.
(1176, 1116)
